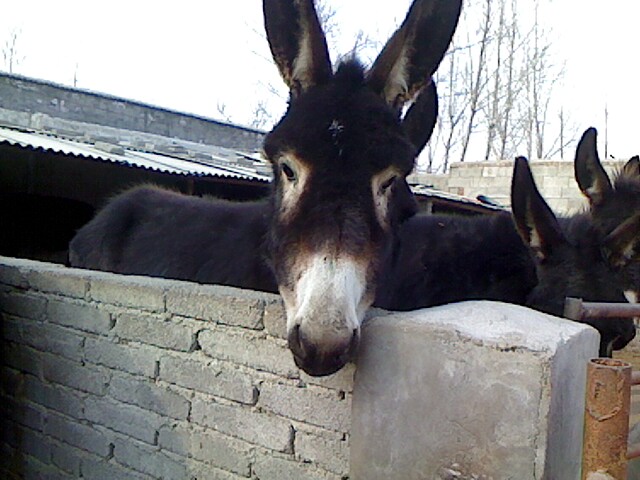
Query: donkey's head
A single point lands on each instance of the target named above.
(569, 258)
(340, 156)
(614, 206)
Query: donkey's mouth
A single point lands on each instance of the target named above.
(316, 362)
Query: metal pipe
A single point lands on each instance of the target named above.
(576, 309)
(606, 420)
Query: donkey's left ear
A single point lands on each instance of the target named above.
(622, 246)
(590, 175)
(421, 118)
(297, 43)
(415, 50)
(536, 223)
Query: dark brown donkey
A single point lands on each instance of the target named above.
(340, 156)
(529, 258)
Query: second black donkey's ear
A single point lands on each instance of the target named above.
(536, 223)
(631, 169)
(590, 175)
(420, 120)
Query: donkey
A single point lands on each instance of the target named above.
(149, 230)
(529, 258)
(337, 155)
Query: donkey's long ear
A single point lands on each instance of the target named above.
(590, 175)
(631, 169)
(415, 50)
(297, 43)
(421, 118)
(535, 222)
(622, 246)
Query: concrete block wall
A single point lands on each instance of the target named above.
(118, 377)
(106, 376)
(555, 179)
(25, 101)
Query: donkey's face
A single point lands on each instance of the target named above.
(340, 156)
(569, 258)
(614, 207)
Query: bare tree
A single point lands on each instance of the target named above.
(10, 51)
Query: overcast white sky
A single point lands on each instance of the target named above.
(193, 55)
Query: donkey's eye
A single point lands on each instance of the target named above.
(288, 172)
(387, 183)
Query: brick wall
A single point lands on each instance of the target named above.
(115, 377)
(555, 179)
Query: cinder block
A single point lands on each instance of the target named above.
(275, 318)
(481, 388)
(261, 428)
(53, 339)
(33, 443)
(204, 471)
(129, 291)
(155, 330)
(123, 418)
(22, 358)
(149, 460)
(309, 404)
(23, 305)
(341, 381)
(11, 273)
(212, 447)
(22, 413)
(326, 449)
(54, 397)
(226, 305)
(79, 435)
(252, 349)
(58, 280)
(100, 469)
(86, 378)
(80, 316)
(272, 467)
(209, 376)
(136, 359)
(66, 458)
(149, 395)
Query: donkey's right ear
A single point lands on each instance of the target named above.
(421, 118)
(413, 53)
(631, 169)
(537, 225)
(590, 175)
(297, 43)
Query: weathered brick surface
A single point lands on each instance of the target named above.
(269, 466)
(208, 446)
(134, 421)
(77, 434)
(149, 395)
(136, 359)
(254, 349)
(219, 304)
(136, 292)
(149, 460)
(23, 305)
(54, 397)
(314, 405)
(79, 316)
(217, 378)
(257, 427)
(155, 331)
(132, 378)
(86, 378)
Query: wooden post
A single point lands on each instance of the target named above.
(606, 420)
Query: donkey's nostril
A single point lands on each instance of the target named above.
(355, 341)
(300, 346)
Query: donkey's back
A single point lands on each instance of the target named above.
(152, 231)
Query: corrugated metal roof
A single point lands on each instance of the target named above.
(116, 153)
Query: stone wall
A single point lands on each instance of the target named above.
(28, 102)
(123, 377)
(555, 179)
(105, 376)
